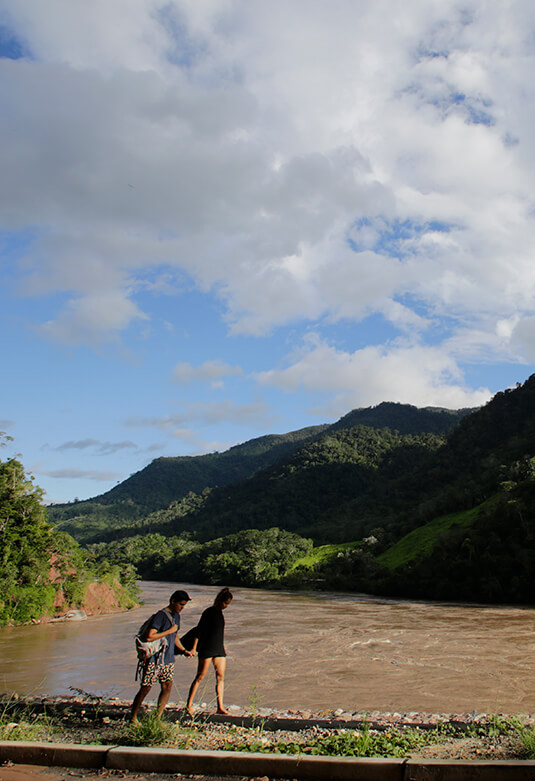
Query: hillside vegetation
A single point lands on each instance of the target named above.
(169, 490)
(390, 500)
(44, 571)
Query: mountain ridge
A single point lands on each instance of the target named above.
(169, 479)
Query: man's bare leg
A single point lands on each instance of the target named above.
(138, 699)
(165, 691)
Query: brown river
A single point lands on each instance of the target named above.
(301, 651)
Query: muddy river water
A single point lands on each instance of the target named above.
(301, 650)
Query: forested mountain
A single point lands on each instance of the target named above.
(168, 479)
(306, 493)
(419, 515)
(182, 482)
(397, 501)
(403, 418)
(389, 500)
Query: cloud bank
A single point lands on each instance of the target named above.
(306, 164)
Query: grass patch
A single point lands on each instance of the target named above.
(350, 743)
(323, 553)
(25, 725)
(150, 731)
(420, 542)
(510, 736)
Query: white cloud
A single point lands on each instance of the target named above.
(209, 371)
(92, 319)
(523, 338)
(164, 422)
(103, 35)
(415, 374)
(246, 143)
(104, 448)
(76, 474)
(205, 413)
(257, 413)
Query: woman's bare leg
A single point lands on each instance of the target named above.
(202, 669)
(220, 663)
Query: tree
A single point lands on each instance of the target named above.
(38, 563)
(25, 543)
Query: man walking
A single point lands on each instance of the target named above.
(165, 623)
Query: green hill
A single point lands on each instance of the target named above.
(305, 494)
(421, 542)
(141, 501)
(424, 515)
(404, 418)
(168, 479)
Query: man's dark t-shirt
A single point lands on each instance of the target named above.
(161, 622)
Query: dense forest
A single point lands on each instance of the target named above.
(390, 500)
(44, 571)
(184, 483)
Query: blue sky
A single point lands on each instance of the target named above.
(230, 218)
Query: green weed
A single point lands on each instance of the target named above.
(22, 724)
(150, 731)
(527, 739)
(350, 743)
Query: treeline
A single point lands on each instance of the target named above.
(248, 558)
(42, 568)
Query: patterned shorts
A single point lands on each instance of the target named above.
(160, 674)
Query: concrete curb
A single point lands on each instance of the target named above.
(53, 754)
(231, 763)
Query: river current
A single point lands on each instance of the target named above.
(318, 651)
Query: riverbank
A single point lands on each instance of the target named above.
(90, 720)
(99, 598)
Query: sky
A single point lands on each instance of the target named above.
(221, 219)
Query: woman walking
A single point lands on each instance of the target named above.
(209, 645)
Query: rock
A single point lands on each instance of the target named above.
(75, 615)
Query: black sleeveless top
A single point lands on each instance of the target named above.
(210, 631)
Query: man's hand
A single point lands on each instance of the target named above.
(155, 635)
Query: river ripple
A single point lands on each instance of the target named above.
(301, 650)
